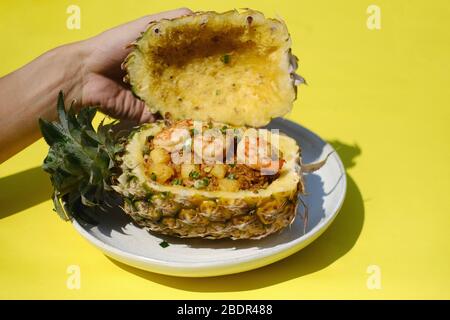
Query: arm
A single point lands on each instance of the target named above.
(87, 71)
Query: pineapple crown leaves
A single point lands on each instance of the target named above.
(80, 160)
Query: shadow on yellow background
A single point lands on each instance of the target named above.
(340, 237)
(23, 190)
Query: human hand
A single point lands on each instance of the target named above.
(88, 72)
(102, 83)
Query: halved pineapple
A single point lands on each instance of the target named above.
(233, 67)
(189, 212)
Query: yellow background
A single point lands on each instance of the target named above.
(381, 96)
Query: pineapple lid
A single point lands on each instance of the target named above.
(234, 67)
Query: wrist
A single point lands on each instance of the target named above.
(70, 63)
(30, 93)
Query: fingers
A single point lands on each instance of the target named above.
(118, 38)
(146, 115)
(107, 51)
(140, 24)
(115, 100)
(126, 106)
(134, 28)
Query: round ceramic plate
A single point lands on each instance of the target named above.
(120, 239)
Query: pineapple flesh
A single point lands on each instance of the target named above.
(233, 67)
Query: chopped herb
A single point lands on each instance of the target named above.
(194, 174)
(217, 92)
(146, 150)
(225, 58)
(128, 201)
(177, 182)
(164, 244)
(231, 176)
(153, 176)
(210, 125)
(232, 165)
(224, 129)
(193, 131)
(165, 194)
(131, 178)
(147, 188)
(199, 184)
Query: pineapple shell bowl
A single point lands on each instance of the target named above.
(234, 67)
(196, 212)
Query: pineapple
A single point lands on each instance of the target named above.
(89, 167)
(230, 69)
(188, 212)
(234, 67)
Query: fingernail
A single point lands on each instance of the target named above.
(147, 116)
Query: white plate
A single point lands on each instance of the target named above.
(120, 239)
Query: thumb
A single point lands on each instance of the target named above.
(115, 100)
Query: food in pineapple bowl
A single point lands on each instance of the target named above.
(206, 169)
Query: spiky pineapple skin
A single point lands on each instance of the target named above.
(213, 218)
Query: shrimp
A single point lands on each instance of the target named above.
(211, 146)
(173, 138)
(259, 154)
